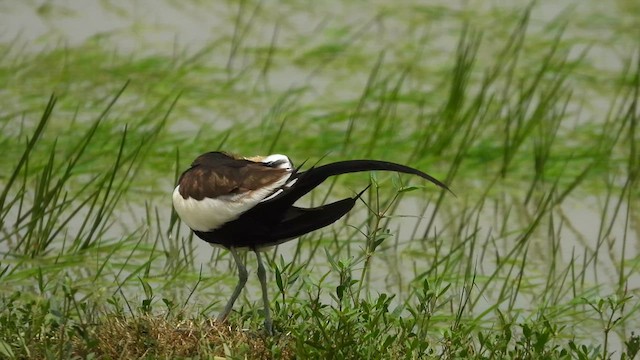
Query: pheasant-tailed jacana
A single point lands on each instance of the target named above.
(248, 203)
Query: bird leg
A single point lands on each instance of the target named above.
(262, 276)
(242, 280)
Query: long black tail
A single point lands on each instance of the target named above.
(310, 179)
(313, 177)
(299, 221)
(304, 220)
(351, 166)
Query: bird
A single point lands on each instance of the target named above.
(247, 203)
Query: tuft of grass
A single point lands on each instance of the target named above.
(147, 336)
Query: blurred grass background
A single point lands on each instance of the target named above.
(529, 112)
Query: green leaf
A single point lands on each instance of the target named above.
(5, 349)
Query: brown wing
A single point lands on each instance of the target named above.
(216, 175)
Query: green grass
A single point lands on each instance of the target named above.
(515, 111)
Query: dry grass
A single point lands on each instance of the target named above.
(145, 337)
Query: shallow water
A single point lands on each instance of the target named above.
(151, 27)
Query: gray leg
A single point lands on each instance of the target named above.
(262, 276)
(242, 280)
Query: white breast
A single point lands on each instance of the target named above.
(209, 214)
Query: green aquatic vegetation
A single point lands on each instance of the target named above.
(93, 262)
